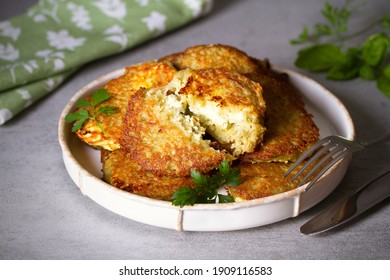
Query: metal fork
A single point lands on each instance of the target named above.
(332, 148)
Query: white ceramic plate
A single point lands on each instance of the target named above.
(84, 167)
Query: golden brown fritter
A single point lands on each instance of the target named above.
(229, 105)
(148, 74)
(261, 180)
(266, 179)
(123, 173)
(290, 128)
(159, 136)
(213, 56)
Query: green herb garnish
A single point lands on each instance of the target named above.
(327, 50)
(89, 111)
(206, 187)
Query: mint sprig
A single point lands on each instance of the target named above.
(326, 49)
(206, 187)
(88, 110)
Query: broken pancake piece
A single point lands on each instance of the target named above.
(229, 105)
(147, 75)
(163, 138)
(290, 128)
(123, 173)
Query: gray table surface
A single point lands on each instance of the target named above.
(43, 215)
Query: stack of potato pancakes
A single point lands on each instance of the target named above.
(193, 109)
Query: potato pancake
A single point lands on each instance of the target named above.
(229, 105)
(123, 173)
(261, 180)
(159, 135)
(266, 179)
(146, 75)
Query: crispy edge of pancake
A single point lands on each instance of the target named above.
(147, 74)
(125, 174)
(290, 128)
(160, 137)
(228, 104)
(213, 56)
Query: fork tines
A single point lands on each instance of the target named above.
(327, 150)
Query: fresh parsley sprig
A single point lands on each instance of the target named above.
(206, 187)
(327, 52)
(88, 110)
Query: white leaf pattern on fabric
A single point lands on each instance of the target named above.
(10, 68)
(57, 58)
(5, 115)
(58, 64)
(8, 52)
(43, 10)
(51, 83)
(45, 54)
(7, 30)
(195, 6)
(24, 94)
(143, 3)
(30, 66)
(112, 8)
(155, 21)
(80, 16)
(61, 40)
(117, 35)
(36, 16)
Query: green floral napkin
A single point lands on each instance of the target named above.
(41, 48)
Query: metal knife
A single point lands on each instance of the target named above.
(351, 206)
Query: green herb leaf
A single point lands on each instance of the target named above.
(100, 96)
(375, 49)
(200, 179)
(78, 117)
(82, 115)
(302, 38)
(184, 196)
(337, 17)
(383, 84)
(348, 69)
(83, 103)
(206, 187)
(78, 124)
(225, 198)
(385, 21)
(108, 110)
(320, 57)
(386, 71)
(367, 72)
